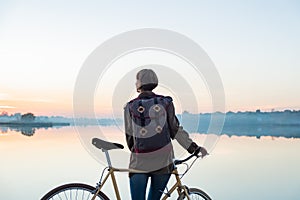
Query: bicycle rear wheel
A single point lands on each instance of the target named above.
(195, 194)
(73, 191)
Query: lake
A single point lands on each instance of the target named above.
(239, 168)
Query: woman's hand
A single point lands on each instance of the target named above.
(203, 152)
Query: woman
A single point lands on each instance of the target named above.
(150, 125)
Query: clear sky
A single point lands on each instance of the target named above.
(255, 46)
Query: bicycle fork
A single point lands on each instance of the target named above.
(183, 188)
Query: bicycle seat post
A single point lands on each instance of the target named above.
(107, 157)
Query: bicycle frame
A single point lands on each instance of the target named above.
(111, 172)
(75, 189)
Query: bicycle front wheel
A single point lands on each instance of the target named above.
(74, 191)
(195, 194)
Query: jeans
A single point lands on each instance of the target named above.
(138, 185)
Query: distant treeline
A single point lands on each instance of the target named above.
(280, 123)
(285, 123)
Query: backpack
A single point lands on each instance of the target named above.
(149, 122)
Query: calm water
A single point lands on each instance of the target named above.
(239, 168)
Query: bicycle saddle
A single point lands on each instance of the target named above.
(101, 144)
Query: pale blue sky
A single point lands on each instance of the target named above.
(255, 46)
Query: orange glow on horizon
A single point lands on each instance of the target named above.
(60, 103)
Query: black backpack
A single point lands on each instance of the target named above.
(149, 122)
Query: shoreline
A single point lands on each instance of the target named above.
(33, 124)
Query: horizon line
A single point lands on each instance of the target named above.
(4, 113)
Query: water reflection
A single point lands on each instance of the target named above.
(238, 168)
(27, 130)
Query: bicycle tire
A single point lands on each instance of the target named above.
(73, 191)
(195, 194)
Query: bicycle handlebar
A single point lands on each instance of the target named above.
(178, 162)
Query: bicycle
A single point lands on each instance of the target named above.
(82, 191)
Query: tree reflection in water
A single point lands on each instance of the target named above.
(24, 130)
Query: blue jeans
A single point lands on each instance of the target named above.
(138, 185)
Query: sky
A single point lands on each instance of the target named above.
(254, 45)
